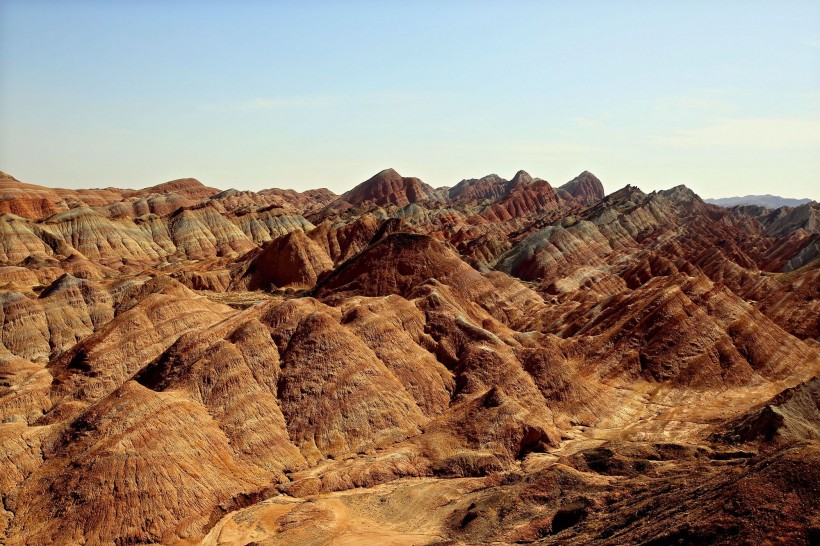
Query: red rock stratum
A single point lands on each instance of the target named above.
(496, 362)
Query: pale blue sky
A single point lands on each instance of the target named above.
(721, 96)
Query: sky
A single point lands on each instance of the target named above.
(723, 96)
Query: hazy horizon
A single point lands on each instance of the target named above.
(723, 97)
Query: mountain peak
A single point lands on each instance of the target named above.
(521, 177)
(388, 187)
(680, 194)
(389, 171)
(491, 186)
(627, 193)
(586, 187)
(189, 187)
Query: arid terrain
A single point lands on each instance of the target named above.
(503, 361)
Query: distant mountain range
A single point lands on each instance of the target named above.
(768, 201)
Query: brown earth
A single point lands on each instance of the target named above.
(499, 362)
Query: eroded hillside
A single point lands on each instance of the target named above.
(499, 361)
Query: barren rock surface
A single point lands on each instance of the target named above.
(496, 362)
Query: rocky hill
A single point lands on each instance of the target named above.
(501, 361)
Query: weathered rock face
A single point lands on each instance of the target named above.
(290, 261)
(187, 187)
(388, 188)
(343, 241)
(184, 365)
(489, 187)
(368, 406)
(264, 224)
(524, 197)
(137, 446)
(110, 355)
(181, 219)
(396, 265)
(785, 220)
(793, 414)
(795, 305)
(27, 200)
(586, 188)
